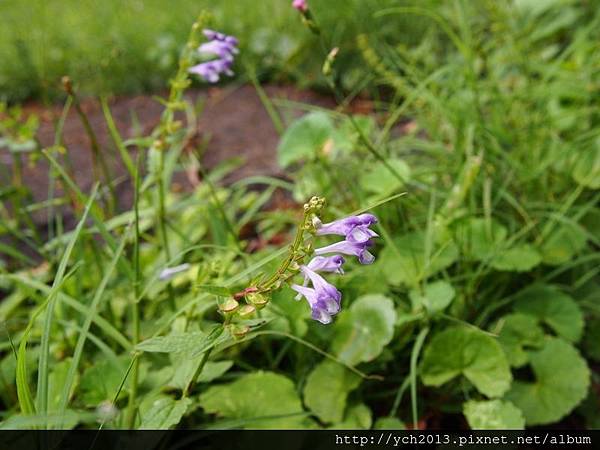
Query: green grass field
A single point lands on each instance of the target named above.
(480, 159)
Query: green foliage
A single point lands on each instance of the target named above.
(561, 381)
(471, 353)
(476, 147)
(260, 400)
(493, 415)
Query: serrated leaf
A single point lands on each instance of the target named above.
(194, 343)
(257, 398)
(552, 307)
(220, 291)
(517, 259)
(364, 329)
(173, 343)
(519, 332)
(562, 378)
(304, 138)
(327, 388)
(493, 415)
(479, 239)
(405, 264)
(381, 180)
(471, 353)
(435, 296)
(164, 413)
(562, 244)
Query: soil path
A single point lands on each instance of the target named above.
(233, 119)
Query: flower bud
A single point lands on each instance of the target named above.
(246, 310)
(239, 331)
(228, 306)
(257, 299)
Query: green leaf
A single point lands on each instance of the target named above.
(195, 342)
(562, 378)
(389, 423)
(327, 388)
(173, 343)
(517, 259)
(56, 382)
(435, 297)
(493, 415)
(358, 417)
(304, 138)
(563, 244)
(465, 351)
(364, 329)
(519, 333)
(100, 382)
(164, 413)
(381, 180)
(479, 239)
(587, 167)
(220, 291)
(405, 261)
(554, 308)
(262, 399)
(591, 340)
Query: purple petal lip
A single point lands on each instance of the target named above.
(354, 228)
(322, 306)
(327, 264)
(358, 249)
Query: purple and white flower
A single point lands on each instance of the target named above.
(211, 70)
(327, 264)
(169, 272)
(358, 249)
(353, 228)
(224, 48)
(322, 303)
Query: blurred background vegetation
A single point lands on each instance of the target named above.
(482, 307)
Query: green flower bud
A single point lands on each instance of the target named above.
(228, 306)
(257, 299)
(246, 310)
(238, 331)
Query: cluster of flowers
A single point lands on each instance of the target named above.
(323, 297)
(224, 48)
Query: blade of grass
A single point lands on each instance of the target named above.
(414, 356)
(70, 379)
(42, 387)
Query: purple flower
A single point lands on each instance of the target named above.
(354, 228)
(322, 304)
(300, 5)
(211, 70)
(327, 264)
(222, 46)
(222, 49)
(358, 249)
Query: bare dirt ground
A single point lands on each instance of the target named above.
(233, 120)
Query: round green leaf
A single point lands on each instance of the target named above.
(435, 296)
(493, 415)
(254, 398)
(358, 417)
(517, 259)
(364, 329)
(327, 388)
(562, 378)
(554, 308)
(304, 138)
(465, 351)
(563, 244)
(518, 333)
